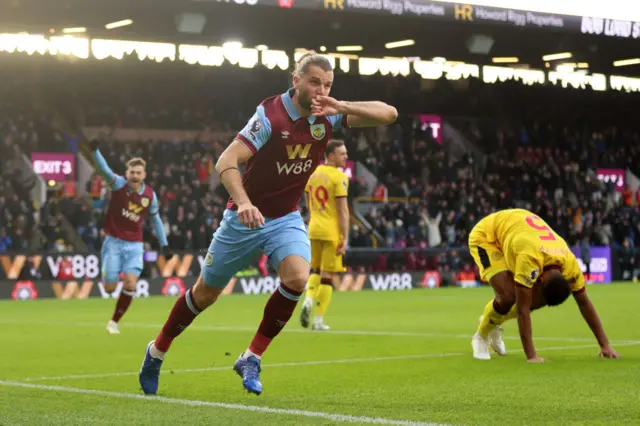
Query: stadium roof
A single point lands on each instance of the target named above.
(287, 29)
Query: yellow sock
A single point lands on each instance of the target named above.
(324, 297)
(313, 286)
(491, 319)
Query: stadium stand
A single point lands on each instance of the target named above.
(536, 148)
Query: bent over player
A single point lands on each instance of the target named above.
(282, 145)
(122, 249)
(327, 192)
(528, 266)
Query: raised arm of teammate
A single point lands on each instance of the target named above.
(590, 315)
(113, 180)
(158, 227)
(359, 114)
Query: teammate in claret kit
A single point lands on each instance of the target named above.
(123, 249)
(282, 144)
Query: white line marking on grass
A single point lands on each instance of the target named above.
(242, 407)
(563, 348)
(229, 367)
(306, 363)
(295, 330)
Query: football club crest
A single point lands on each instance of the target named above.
(317, 131)
(209, 259)
(145, 202)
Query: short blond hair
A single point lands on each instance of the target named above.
(137, 161)
(332, 145)
(311, 58)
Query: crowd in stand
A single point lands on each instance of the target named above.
(541, 148)
(18, 217)
(549, 171)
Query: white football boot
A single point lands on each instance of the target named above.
(321, 327)
(112, 327)
(480, 347)
(496, 342)
(305, 312)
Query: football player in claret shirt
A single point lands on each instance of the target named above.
(122, 249)
(282, 144)
(528, 266)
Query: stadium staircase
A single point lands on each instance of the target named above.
(457, 144)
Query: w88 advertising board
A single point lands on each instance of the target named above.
(78, 275)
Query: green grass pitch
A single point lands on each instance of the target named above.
(391, 358)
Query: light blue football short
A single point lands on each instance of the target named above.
(234, 245)
(120, 256)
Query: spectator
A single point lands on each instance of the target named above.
(626, 260)
(585, 254)
(6, 243)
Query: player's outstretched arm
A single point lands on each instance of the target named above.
(359, 114)
(590, 315)
(227, 167)
(158, 227)
(524, 297)
(113, 180)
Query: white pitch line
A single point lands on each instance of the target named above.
(295, 330)
(241, 407)
(305, 363)
(562, 348)
(228, 368)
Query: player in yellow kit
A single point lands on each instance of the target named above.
(528, 266)
(326, 195)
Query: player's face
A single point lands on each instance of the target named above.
(136, 174)
(314, 82)
(340, 156)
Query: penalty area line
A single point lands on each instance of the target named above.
(345, 418)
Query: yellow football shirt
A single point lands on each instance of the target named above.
(530, 245)
(325, 185)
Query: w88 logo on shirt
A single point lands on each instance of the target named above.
(294, 168)
(298, 162)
